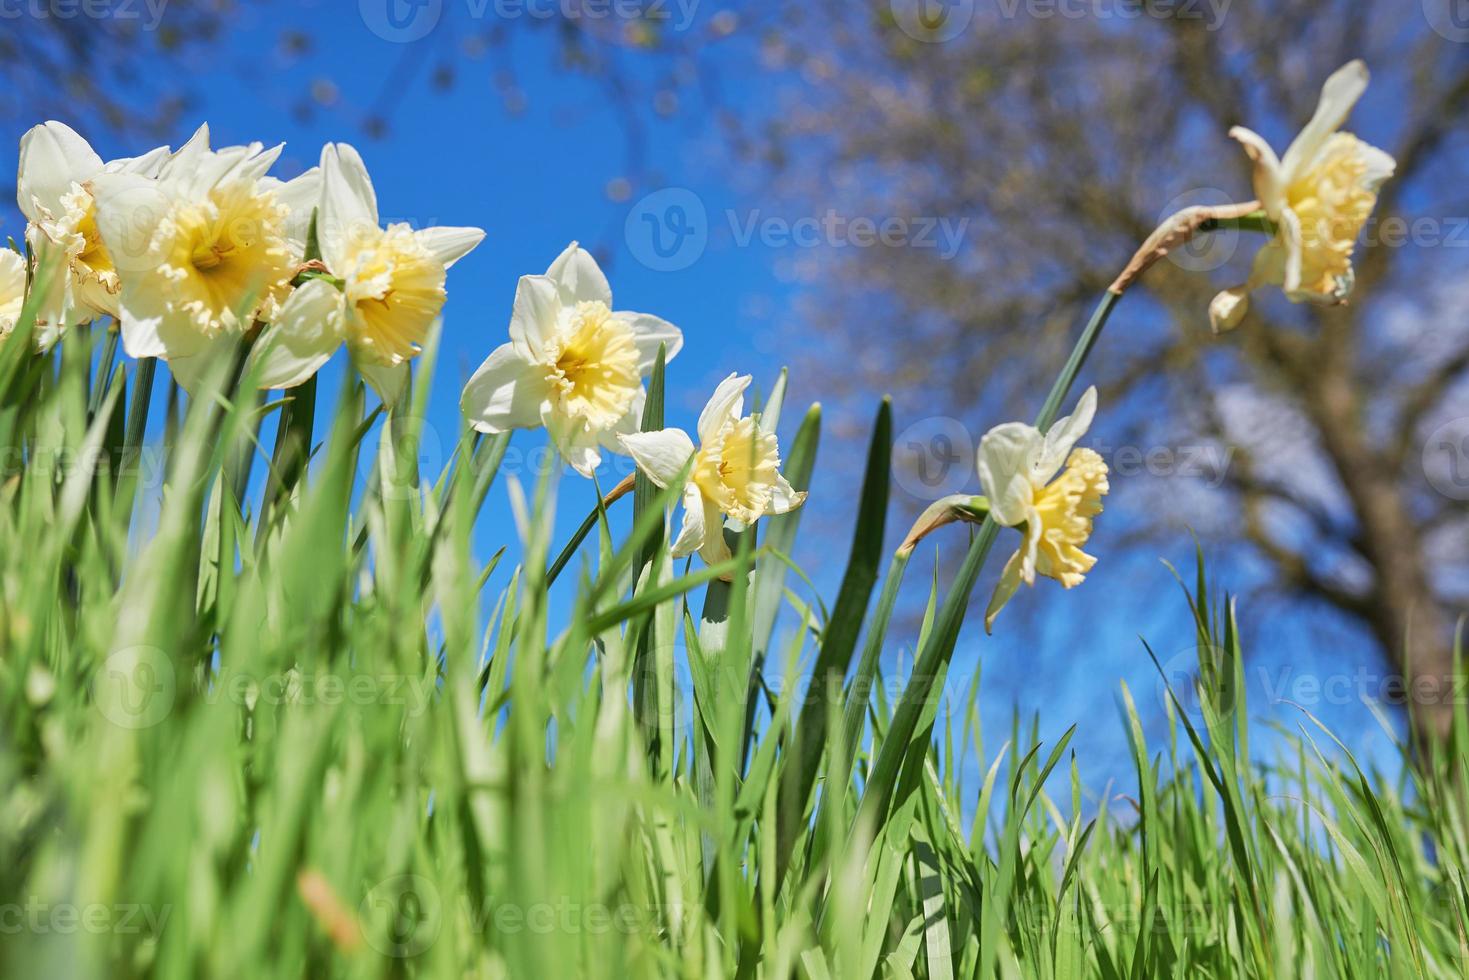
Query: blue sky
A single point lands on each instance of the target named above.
(538, 179)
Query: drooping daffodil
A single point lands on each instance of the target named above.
(203, 251)
(1318, 196)
(81, 278)
(573, 364)
(384, 292)
(1045, 485)
(12, 289)
(735, 471)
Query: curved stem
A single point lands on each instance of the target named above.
(1180, 228)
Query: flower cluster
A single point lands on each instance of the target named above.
(195, 250)
(575, 367)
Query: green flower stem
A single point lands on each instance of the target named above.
(1255, 221)
(915, 704)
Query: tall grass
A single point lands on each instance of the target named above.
(274, 733)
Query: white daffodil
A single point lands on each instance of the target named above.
(203, 251)
(1319, 196)
(55, 167)
(735, 472)
(572, 364)
(388, 288)
(1018, 467)
(12, 289)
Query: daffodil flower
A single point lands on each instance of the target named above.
(735, 471)
(51, 189)
(1018, 468)
(1318, 196)
(388, 291)
(573, 364)
(12, 289)
(203, 251)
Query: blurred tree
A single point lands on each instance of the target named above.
(113, 64)
(1063, 132)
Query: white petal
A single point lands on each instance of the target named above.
(52, 157)
(191, 370)
(302, 194)
(651, 331)
(390, 381)
(1338, 96)
(449, 245)
(256, 162)
(579, 277)
(210, 168)
(533, 317)
(726, 404)
(1006, 457)
(147, 165)
(1288, 235)
(1004, 591)
(691, 535)
(661, 455)
(714, 549)
(1063, 435)
(577, 446)
(1229, 307)
(305, 334)
(348, 202)
(785, 498)
(1380, 166)
(507, 392)
(187, 157)
(1268, 268)
(129, 208)
(1267, 177)
(631, 422)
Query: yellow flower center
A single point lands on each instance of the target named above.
(90, 257)
(1332, 203)
(737, 470)
(225, 258)
(1066, 508)
(395, 289)
(593, 366)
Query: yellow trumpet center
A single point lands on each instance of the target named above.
(225, 258)
(89, 254)
(737, 470)
(395, 289)
(593, 366)
(1333, 202)
(1066, 508)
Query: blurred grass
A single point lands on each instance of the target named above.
(281, 737)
